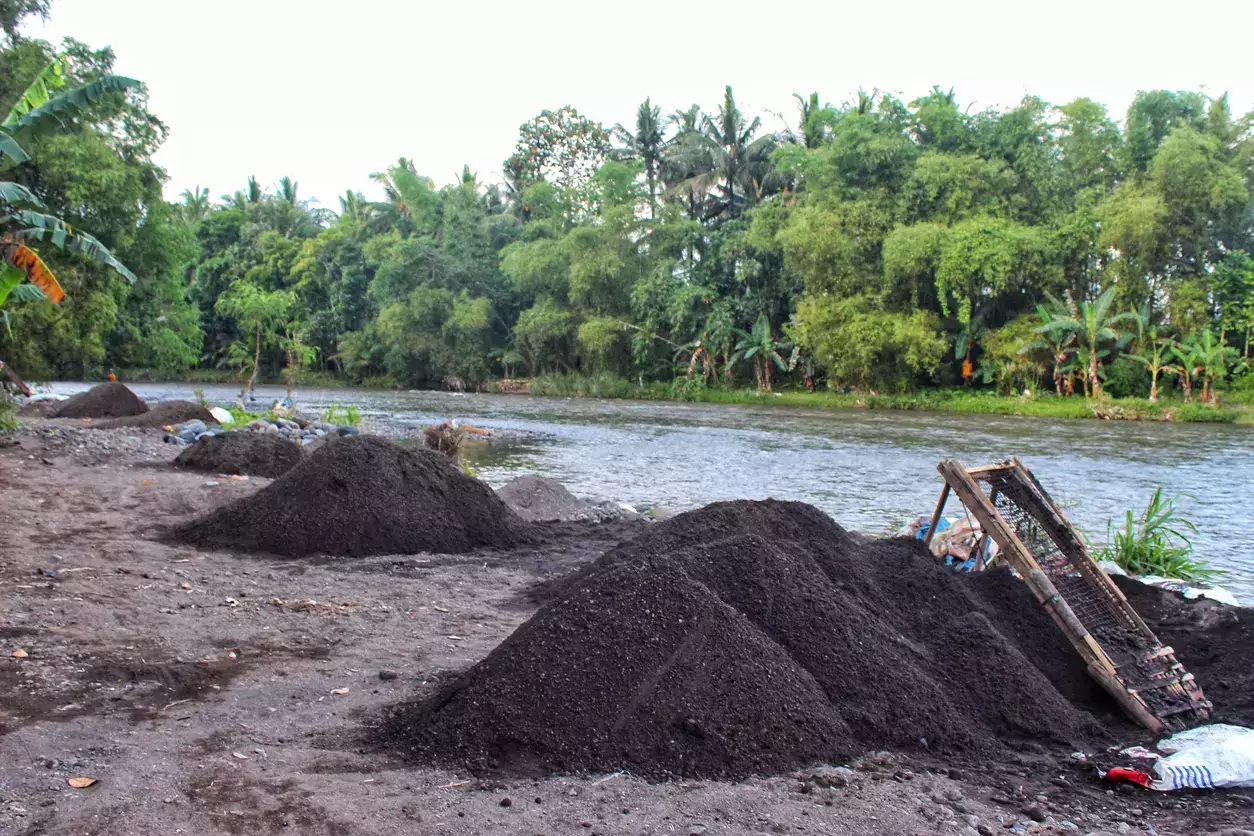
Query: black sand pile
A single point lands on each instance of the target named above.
(243, 453)
(162, 415)
(537, 499)
(363, 495)
(108, 400)
(38, 409)
(752, 637)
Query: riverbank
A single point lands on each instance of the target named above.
(956, 401)
(223, 691)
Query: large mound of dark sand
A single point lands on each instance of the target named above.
(108, 400)
(162, 415)
(755, 637)
(536, 499)
(244, 453)
(363, 495)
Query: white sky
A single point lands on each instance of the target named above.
(328, 92)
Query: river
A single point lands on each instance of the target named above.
(871, 470)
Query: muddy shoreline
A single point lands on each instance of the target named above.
(205, 689)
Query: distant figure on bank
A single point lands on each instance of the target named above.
(113, 378)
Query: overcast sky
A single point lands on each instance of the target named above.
(328, 92)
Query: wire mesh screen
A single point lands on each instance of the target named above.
(1142, 663)
(1052, 543)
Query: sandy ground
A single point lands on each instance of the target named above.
(218, 692)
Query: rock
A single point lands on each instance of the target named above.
(972, 822)
(1099, 833)
(346, 430)
(832, 777)
(984, 830)
(259, 425)
(222, 416)
(1035, 812)
(1235, 831)
(506, 802)
(271, 429)
(388, 676)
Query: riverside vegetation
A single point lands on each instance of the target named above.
(882, 252)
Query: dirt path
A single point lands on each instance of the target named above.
(212, 692)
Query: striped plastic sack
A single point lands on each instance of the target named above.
(1207, 757)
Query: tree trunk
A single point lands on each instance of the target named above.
(1186, 381)
(1095, 385)
(767, 374)
(1154, 385)
(1058, 376)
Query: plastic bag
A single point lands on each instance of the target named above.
(1207, 757)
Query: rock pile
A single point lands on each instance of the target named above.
(754, 637)
(537, 499)
(363, 495)
(108, 400)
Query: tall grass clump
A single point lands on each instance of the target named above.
(1156, 543)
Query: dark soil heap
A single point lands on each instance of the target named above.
(755, 637)
(108, 400)
(363, 495)
(243, 453)
(162, 415)
(536, 499)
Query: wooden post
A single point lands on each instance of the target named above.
(936, 515)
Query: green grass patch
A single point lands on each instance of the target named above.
(960, 401)
(342, 416)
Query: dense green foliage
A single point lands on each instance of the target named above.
(879, 247)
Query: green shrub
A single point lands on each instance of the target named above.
(1200, 413)
(1155, 543)
(8, 414)
(341, 416)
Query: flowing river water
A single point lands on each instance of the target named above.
(871, 470)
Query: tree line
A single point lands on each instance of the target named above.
(876, 245)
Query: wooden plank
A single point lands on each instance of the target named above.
(936, 515)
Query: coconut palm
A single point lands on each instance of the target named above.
(742, 162)
(687, 168)
(760, 346)
(195, 206)
(646, 144)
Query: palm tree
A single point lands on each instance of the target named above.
(741, 161)
(1155, 354)
(1094, 326)
(645, 144)
(760, 346)
(195, 206)
(287, 191)
(815, 121)
(21, 220)
(687, 166)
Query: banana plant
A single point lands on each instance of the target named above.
(21, 221)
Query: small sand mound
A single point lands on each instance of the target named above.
(363, 495)
(243, 453)
(38, 409)
(746, 638)
(535, 499)
(108, 400)
(161, 415)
